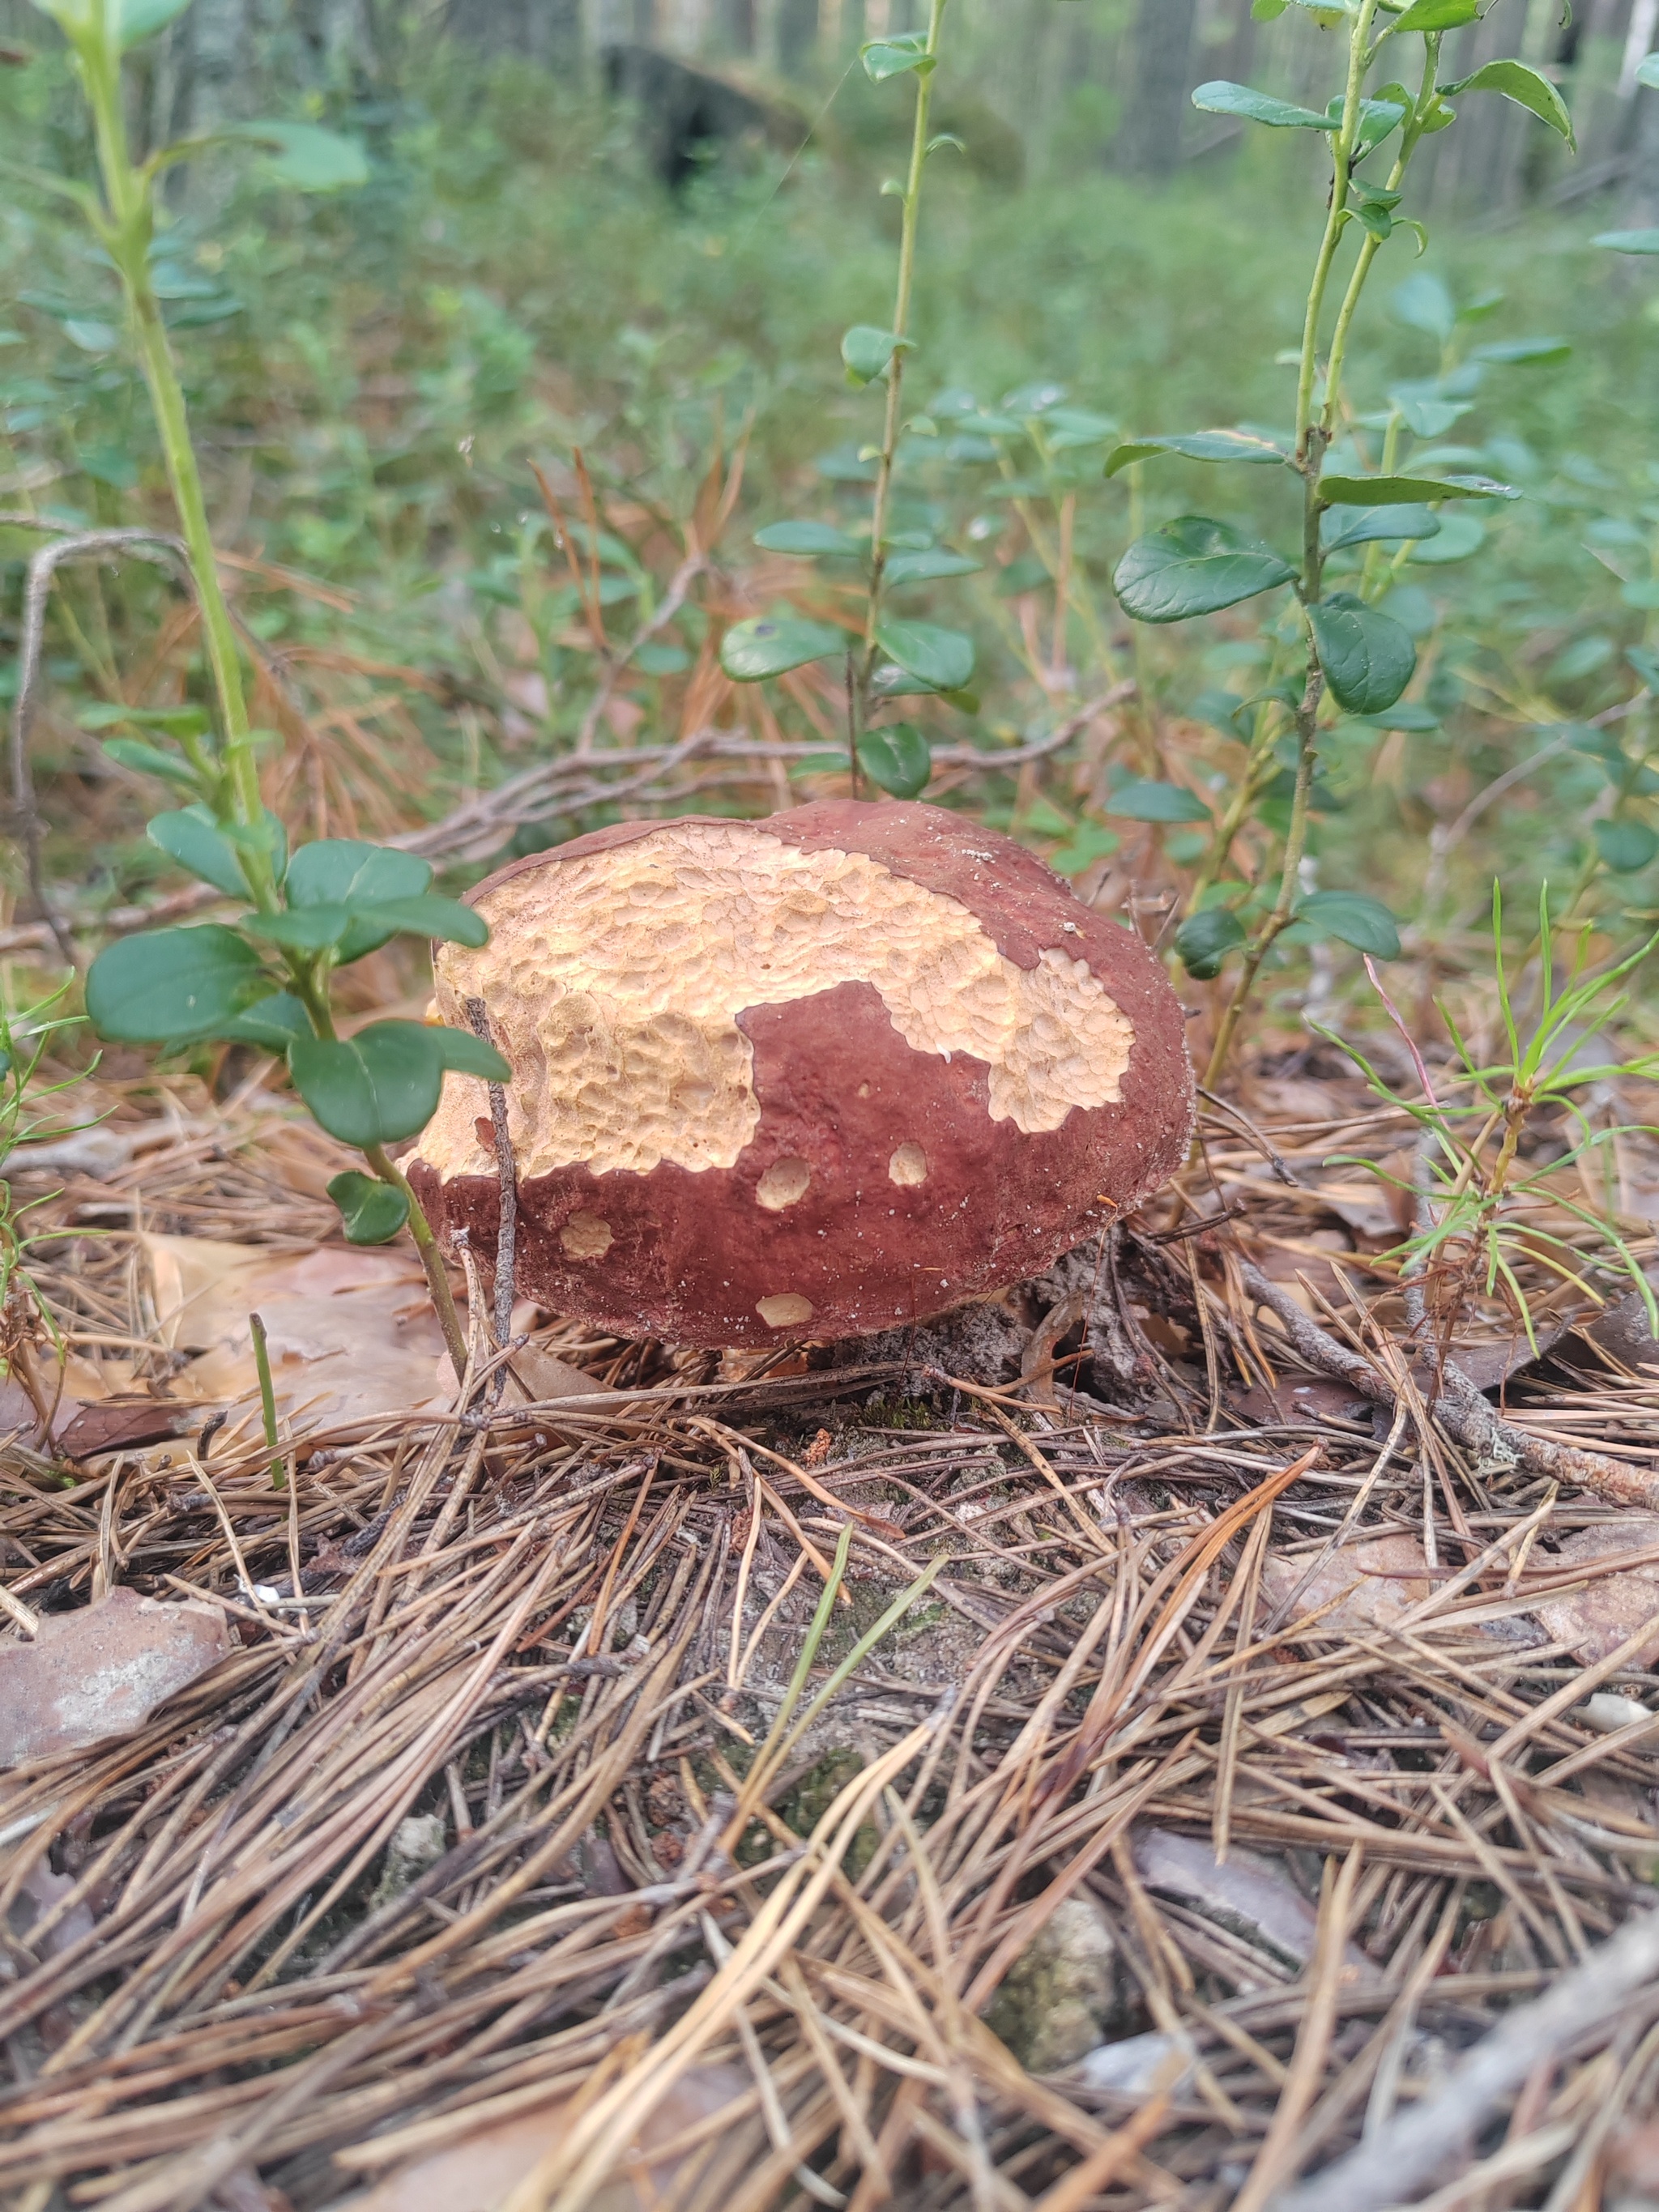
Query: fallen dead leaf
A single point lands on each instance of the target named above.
(1624, 1333)
(125, 1424)
(351, 1334)
(1365, 1586)
(1633, 2156)
(477, 2173)
(39, 1893)
(1597, 1618)
(1251, 1895)
(101, 1671)
(537, 1375)
(1293, 1398)
(1297, 1099)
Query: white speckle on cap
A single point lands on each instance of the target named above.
(783, 1184)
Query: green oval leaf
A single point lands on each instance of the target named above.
(1067, 429)
(273, 1023)
(1202, 445)
(1438, 15)
(762, 647)
(1140, 800)
(1341, 526)
(926, 567)
(1522, 353)
(811, 541)
(885, 58)
(1459, 535)
(942, 659)
(1221, 98)
(1625, 846)
(304, 155)
(371, 1211)
(1423, 303)
(149, 760)
(896, 759)
(191, 837)
(466, 1055)
(1204, 940)
(428, 916)
(866, 349)
(384, 1084)
(331, 871)
(134, 21)
(1405, 714)
(1349, 916)
(1088, 843)
(173, 985)
(302, 929)
(1525, 86)
(1628, 241)
(1194, 567)
(1405, 491)
(1367, 656)
(372, 1089)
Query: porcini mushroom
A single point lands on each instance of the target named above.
(801, 1078)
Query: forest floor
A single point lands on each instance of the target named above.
(1268, 1737)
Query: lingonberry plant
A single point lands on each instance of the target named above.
(895, 657)
(264, 978)
(1335, 649)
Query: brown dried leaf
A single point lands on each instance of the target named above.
(1366, 1586)
(537, 1375)
(351, 1334)
(125, 1425)
(101, 1671)
(1303, 1398)
(477, 2174)
(1625, 1333)
(1599, 1617)
(1250, 1894)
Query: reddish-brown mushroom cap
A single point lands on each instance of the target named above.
(804, 1078)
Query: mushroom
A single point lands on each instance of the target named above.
(801, 1078)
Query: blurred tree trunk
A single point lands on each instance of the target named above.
(1163, 60)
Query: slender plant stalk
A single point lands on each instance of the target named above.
(895, 421)
(256, 1328)
(127, 229)
(432, 1260)
(314, 998)
(1314, 427)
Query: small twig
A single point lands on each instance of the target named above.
(1399, 1021)
(506, 1236)
(1264, 1144)
(149, 545)
(28, 1621)
(1461, 1411)
(1420, 2145)
(674, 598)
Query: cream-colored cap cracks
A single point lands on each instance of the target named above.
(614, 980)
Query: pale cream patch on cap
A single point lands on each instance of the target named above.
(585, 1237)
(786, 1310)
(615, 980)
(783, 1184)
(908, 1167)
